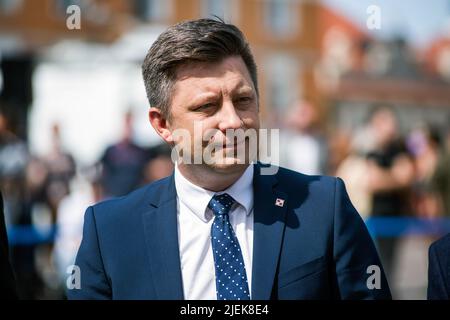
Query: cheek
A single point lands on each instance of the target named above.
(207, 129)
(182, 133)
(211, 135)
(251, 120)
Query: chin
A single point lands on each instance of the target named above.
(228, 165)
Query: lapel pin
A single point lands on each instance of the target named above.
(279, 202)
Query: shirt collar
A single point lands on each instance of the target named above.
(197, 198)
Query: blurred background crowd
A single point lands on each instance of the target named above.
(370, 105)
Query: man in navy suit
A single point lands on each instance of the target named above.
(225, 227)
(439, 270)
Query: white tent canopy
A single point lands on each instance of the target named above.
(86, 88)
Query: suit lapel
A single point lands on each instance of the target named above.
(161, 233)
(160, 223)
(269, 212)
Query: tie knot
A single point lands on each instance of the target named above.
(221, 204)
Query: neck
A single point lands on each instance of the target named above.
(210, 178)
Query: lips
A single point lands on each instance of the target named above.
(234, 145)
(225, 145)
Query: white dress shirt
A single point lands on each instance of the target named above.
(194, 232)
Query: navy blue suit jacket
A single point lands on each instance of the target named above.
(315, 246)
(439, 270)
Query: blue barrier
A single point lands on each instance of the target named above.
(402, 226)
(378, 227)
(30, 235)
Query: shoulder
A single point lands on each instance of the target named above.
(439, 257)
(439, 269)
(441, 247)
(132, 203)
(319, 193)
(314, 183)
(314, 193)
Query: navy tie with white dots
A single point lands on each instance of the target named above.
(231, 277)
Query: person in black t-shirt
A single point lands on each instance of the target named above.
(390, 175)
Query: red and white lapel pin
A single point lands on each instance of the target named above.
(279, 202)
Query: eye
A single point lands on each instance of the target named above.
(204, 107)
(245, 100)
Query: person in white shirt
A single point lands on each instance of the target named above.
(226, 229)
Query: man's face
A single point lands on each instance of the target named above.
(215, 97)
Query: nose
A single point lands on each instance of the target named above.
(228, 117)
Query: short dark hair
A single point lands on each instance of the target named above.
(202, 40)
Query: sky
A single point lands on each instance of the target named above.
(420, 21)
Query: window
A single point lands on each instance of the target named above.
(282, 81)
(280, 17)
(153, 10)
(62, 5)
(224, 9)
(9, 6)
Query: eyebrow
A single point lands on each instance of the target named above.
(241, 88)
(244, 89)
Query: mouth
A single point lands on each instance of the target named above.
(233, 145)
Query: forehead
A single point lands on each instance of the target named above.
(208, 75)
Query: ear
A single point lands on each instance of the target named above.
(160, 124)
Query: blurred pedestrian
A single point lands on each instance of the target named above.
(160, 164)
(441, 178)
(303, 147)
(351, 166)
(14, 159)
(85, 190)
(390, 174)
(60, 170)
(424, 144)
(123, 163)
